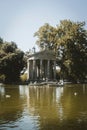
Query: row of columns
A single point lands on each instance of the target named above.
(42, 70)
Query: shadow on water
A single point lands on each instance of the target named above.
(43, 107)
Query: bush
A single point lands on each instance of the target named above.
(23, 77)
(2, 78)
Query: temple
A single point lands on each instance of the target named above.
(41, 66)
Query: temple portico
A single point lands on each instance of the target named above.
(42, 66)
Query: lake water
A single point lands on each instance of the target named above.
(26, 107)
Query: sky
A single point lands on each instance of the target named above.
(20, 19)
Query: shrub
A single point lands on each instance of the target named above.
(2, 78)
(23, 77)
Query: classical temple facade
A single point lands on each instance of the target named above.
(41, 66)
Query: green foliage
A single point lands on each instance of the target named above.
(1, 42)
(11, 61)
(69, 41)
(73, 42)
(9, 48)
(46, 37)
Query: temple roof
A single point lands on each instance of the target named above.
(44, 55)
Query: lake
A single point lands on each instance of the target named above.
(24, 107)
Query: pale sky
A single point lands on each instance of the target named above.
(20, 19)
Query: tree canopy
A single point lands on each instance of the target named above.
(11, 61)
(46, 37)
(69, 41)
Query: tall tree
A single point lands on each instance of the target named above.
(46, 37)
(11, 61)
(73, 44)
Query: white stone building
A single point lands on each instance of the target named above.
(41, 66)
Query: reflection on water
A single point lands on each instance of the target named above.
(43, 108)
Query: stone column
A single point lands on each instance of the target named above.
(28, 70)
(54, 70)
(37, 72)
(48, 69)
(41, 67)
(31, 69)
(34, 69)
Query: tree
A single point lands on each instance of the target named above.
(1, 42)
(69, 41)
(46, 37)
(73, 43)
(11, 61)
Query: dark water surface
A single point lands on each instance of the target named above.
(43, 108)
